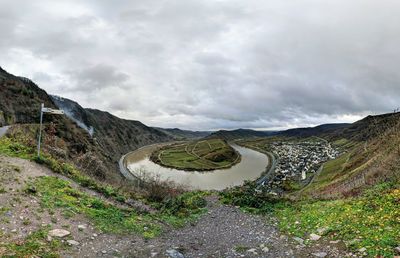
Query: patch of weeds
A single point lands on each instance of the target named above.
(11, 147)
(71, 172)
(2, 190)
(241, 249)
(185, 208)
(54, 220)
(35, 245)
(26, 222)
(57, 193)
(371, 221)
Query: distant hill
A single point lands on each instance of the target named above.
(240, 133)
(314, 131)
(184, 134)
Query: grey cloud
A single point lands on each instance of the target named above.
(211, 64)
(98, 77)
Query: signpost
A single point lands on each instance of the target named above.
(50, 111)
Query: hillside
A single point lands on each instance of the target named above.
(240, 133)
(117, 136)
(320, 130)
(184, 134)
(91, 139)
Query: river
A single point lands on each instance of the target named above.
(251, 166)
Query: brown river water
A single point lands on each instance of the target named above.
(251, 166)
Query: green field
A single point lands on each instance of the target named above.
(199, 155)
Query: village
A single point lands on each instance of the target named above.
(297, 161)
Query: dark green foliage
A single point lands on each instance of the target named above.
(248, 198)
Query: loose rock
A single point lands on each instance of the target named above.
(59, 233)
(265, 249)
(314, 237)
(299, 240)
(72, 242)
(320, 254)
(253, 251)
(174, 254)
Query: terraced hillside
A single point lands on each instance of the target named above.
(199, 155)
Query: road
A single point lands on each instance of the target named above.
(3, 130)
(271, 170)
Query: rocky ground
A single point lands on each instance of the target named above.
(224, 231)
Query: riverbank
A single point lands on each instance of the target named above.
(252, 165)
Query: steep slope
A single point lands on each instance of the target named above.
(71, 139)
(117, 136)
(20, 99)
(373, 157)
(120, 136)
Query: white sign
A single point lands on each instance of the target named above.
(50, 111)
(53, 111)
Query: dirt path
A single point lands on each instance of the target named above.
(224, 231)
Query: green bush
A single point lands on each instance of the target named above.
(248, 198)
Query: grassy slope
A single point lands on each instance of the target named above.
(55, 193)
(370, 221)
(367, 219)
(197, 155)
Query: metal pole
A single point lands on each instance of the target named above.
(40, 129)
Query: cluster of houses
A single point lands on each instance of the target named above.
(296, 160)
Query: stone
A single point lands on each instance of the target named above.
(59, 233)
(104, 252)
(174, 253)
(361, 250)
(72, 242)
(298, 239)
(322, 231)
(397, 249)
(334, 241)
(320, 254)
(314, 237)
(252, 250)
(82, 227)
(265, 249)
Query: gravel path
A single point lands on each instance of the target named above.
(226, 231)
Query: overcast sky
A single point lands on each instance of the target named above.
(208, 64)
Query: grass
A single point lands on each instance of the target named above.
(371, 221)
(12, 148)
(35, 245)
(57, 193)
(173, 209)
(197, 155)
